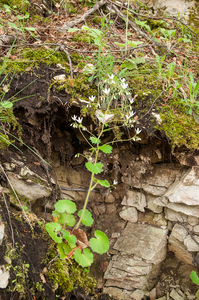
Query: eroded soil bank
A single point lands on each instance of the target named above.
(147, 218)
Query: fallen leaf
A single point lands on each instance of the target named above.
(42, 278)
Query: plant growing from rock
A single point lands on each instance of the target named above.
(74, 242)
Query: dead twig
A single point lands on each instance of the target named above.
(136, 28)
(62, 48)
(74, 22)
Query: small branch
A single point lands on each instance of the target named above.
(69, 60)
(70, 24)
(136, 28)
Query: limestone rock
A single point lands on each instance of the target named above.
(135, 199)
(185, 209)
(179, 232)
(4, 277)
(109, 198)
(174, 216)
(145, 241)
(129, 214)
(27, 187)
(192, 220)
(196, 229)
(191, 244)
(180, 250)
(110, 208)
(175, 295)
(157, 181)
(151, 205)
(137, 295)
(118, 293)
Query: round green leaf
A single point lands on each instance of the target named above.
(63, 249)
(101, 243)
(65, 206)
(67, 219)
(106, 148)
(53, 229)
(87, 218)
(70, 238)
(104, 183)
(96, 169)
(94, 140)
(194, 277)
(84, 259)
(6, 104)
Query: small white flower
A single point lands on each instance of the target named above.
(92, 98)
(123, 80)
(79, 120)
(74, 118)
(138, 130)
(132, 113)
(131, 100)
(115, 182)
(124, 85)
(106, 91)
(111, 76)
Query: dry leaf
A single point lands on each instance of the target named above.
(42, 278)
(81, 236)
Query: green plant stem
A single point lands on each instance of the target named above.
(88, 194)
(92, 175)
(127, 19)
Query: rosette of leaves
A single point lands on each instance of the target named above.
(75, 244)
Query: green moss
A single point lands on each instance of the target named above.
(34, 58)
(181, 129)
(20, 5)
(66, 275)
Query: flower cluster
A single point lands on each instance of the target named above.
(77, 123)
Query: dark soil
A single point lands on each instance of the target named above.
(31, 249)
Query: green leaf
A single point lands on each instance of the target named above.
(70, 238)
(65, 206)
(53, 229)
(67, 219)
(84, 259)
(140, 60)
(95, 140)
(6, 104)
(134, 43)
(87, 218)
(96, 169)
(63, 249)
(106, 148)
(14, 26)
(73, 29)
(101, 243)
(194, 277)
(104, 183)
(30, 28)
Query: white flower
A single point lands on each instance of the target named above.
(92, 98)
(124, 85)
(131, 100)
(138, 130)
(74, 118)
(79, 120)
(132, 113)
(106, 91)
(111, 76)
(115, 182)
(123, 80)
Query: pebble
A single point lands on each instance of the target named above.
(174, 295)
